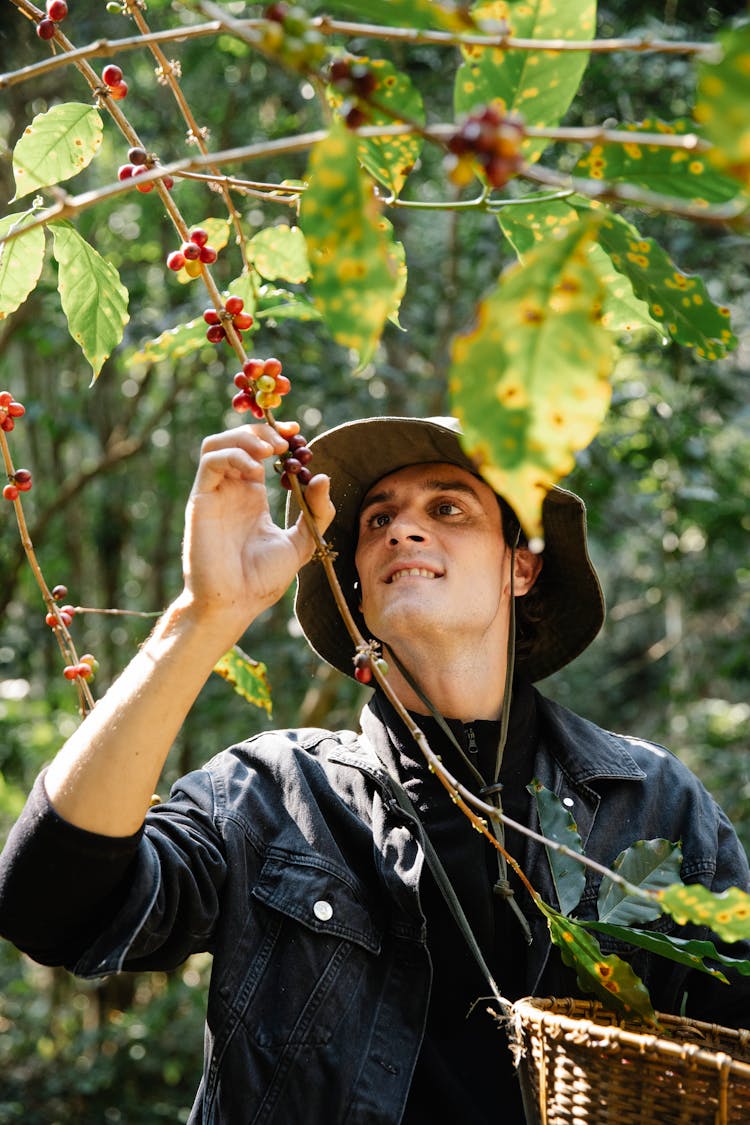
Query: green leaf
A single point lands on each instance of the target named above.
(537, 85)
(722, 106)
(649, 865)
(21, 262)
(609, 978)
(727, 913)
(557, 824)
(440, 14)
(353, 278)
(93, 298)
(56, 145)
(288, 306)
(533, 224)
(280, 251)
(388, 159)
(529, 382)
(679, 301)
(248, 677)
(669, 171)
(683, 950)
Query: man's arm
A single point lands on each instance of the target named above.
(237, 563)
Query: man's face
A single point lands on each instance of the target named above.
(431, 557)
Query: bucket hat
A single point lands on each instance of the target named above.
(356, 455)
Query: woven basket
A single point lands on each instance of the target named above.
(582, 1065)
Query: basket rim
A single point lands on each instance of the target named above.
(569, 1014)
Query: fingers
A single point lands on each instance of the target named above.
(239, 454)
(317, 497)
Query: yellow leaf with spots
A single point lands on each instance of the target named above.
(94, 299)
(682, 173)
(610, 978)
(248, 677)
(537, 85)
(722, 107)
(354, 271)
(530, 381)
(533, 225)
(727, 913)
(443, 14)
(56, 145)
(280, 251)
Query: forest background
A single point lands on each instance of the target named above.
(665, 481)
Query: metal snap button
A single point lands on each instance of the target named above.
(568, 801)
(323, 910)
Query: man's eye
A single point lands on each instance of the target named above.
(380, 520)
(446, 508)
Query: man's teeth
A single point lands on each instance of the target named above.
(413, 572)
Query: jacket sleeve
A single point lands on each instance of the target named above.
(98, 904)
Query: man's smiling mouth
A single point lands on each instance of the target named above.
(412, 572)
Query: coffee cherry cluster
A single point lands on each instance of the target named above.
(260, 386)
(57, 10)
(113, 80)
(217, 319)
(193, 254)
(139, 161)
(358, 83)
(19, 481)
(487, 138)
(295, 462)
(9, 411)
(66, 612)
(363, 666)
(290, 35)
(85, 669)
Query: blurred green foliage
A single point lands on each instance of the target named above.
(666, 483)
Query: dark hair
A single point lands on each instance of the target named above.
(529, 607)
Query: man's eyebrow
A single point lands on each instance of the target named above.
(452, 484)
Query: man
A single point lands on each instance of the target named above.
(343, 987)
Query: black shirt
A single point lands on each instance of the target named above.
(464, 1071)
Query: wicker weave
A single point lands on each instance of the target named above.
(582, 1065)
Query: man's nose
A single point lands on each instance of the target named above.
(406, 528)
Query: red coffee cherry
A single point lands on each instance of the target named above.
(57, 10)
(111, 75)
(45, 29)
(175, 260)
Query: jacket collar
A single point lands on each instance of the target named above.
(584, 751)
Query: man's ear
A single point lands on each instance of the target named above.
(528, 566)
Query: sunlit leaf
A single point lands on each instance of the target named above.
(722, 106)
(609, 978)
(56, 145)
(248, 677)
(94, 299)
(648, 865)
(677, 172)
(21, 262)
(684, 951)
(440, 14)
(557, 824)
(288, 306)
(353, 277)
(388, 159)
(280, 251)
(529, 382)
(727, 913)
(534, 223)
(173, 344)
(218, 236)
(538, 85)
(679, 301)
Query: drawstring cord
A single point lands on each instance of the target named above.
(492, 792)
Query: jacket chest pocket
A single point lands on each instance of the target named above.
(305, 957)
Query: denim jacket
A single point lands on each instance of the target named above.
(289, 858)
